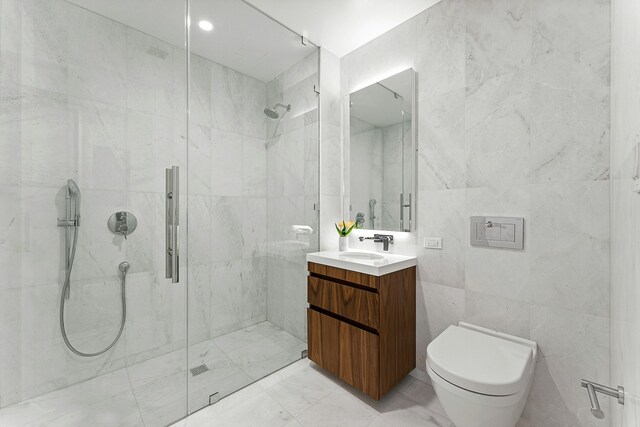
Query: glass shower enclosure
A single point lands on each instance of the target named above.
(253, 169)
(159, 165)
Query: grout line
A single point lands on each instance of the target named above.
(133, 393)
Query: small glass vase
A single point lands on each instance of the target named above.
(343, 243)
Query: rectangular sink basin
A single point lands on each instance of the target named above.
(373, 263)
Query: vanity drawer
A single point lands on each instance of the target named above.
(323, 340)
(347, 301)
(348, 352)
(361, 279)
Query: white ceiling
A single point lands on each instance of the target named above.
(376, 104)
(341, 26)
(242, 39)
(247, 41)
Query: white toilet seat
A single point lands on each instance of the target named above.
(482, 377)
(481, 360)
(481, 399)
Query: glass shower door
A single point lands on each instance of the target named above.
(92, 113)
(252, 189)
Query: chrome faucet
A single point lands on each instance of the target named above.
(385, 239)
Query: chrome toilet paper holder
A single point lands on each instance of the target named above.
(594, 388)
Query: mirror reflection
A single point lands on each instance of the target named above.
(381, 154)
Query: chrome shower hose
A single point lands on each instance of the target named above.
(123, 277)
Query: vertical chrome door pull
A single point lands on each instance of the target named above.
(404, 205)
(167, 222)
(175, 254)
(172, 224)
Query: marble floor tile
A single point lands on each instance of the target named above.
(239, 339)
(92, 402)
(258, 410)
(340, 408)
(302, 394)
(302, 390)
(421, 393)
(154, 392)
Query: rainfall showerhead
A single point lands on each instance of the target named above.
(272, 113)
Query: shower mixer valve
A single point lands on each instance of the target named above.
(123, 223)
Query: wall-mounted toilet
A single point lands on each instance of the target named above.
(482, 377)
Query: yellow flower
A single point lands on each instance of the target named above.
(345, 227)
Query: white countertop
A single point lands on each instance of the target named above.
(388, 263)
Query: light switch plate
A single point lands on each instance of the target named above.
(433, 242)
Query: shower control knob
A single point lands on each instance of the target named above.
(123, 229)
(123, 223)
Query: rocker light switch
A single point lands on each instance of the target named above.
(433, 242)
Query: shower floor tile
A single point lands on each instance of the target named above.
(153, 392)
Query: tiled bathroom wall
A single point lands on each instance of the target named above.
(86, 98)
(513, 102)
(331, 179)
(625, 210)
(292, 191)
(228, 200)
(396, 148)
(365, 156)
(376, 170)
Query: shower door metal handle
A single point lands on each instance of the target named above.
(172, 224)
(167, 222)
(175, 263)
(404, 205)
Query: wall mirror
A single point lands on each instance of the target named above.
(380, 153)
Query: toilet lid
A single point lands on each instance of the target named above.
(480, 362)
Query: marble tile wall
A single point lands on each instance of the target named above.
(375, 171)
(81, 97)
(88, 98)
(331, 154)
(365, 158)
(292, 191)
(228, 203)
(394, 165)
(513, 101)
(625, 209)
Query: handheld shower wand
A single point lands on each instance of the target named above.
(372, 212)
(73, 193)
(72, 221)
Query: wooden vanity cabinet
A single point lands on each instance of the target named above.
(362, 328)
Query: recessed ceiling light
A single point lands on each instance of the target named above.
(205, 25)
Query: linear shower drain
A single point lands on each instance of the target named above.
(199, 369)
